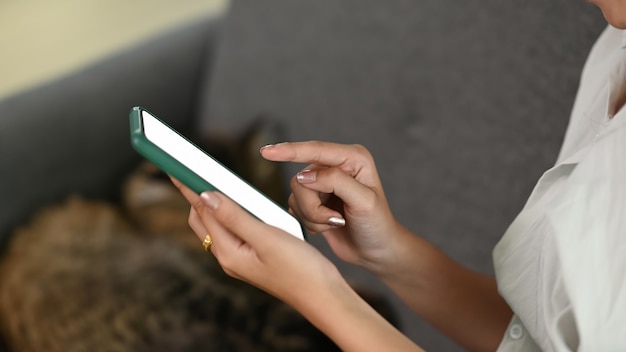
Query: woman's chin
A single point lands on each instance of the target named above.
(614, 12)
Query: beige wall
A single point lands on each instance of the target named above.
(40, 40)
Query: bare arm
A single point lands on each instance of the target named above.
(463, 304)
(352, 323)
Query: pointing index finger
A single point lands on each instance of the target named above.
(312, 152)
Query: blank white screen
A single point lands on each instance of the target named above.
(221, 178)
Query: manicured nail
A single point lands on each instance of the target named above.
(269, 146)
(306, 176)
(336, 221)
(210, 200)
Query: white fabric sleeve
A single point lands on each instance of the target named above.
(590, 233)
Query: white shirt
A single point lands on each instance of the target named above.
(561, 265)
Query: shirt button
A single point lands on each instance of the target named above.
(516, 331)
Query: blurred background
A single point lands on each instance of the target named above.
(42, 40)
(463, 105)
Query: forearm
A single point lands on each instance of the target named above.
(350, 322)
(463, 304)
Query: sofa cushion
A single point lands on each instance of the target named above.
(462, 105)
(71, 135)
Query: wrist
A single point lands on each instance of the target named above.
(392, 254)
(305, 294)
(340, 313)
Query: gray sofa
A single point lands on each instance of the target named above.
(462, 105)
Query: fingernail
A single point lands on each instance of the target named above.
(336, 221)
(210, 200)
(269, 146)
(306, 176)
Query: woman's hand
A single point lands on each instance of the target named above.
(293, 271)
(257, 253)
(342, 183)
(340, 195)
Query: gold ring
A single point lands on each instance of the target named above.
(207, 242)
